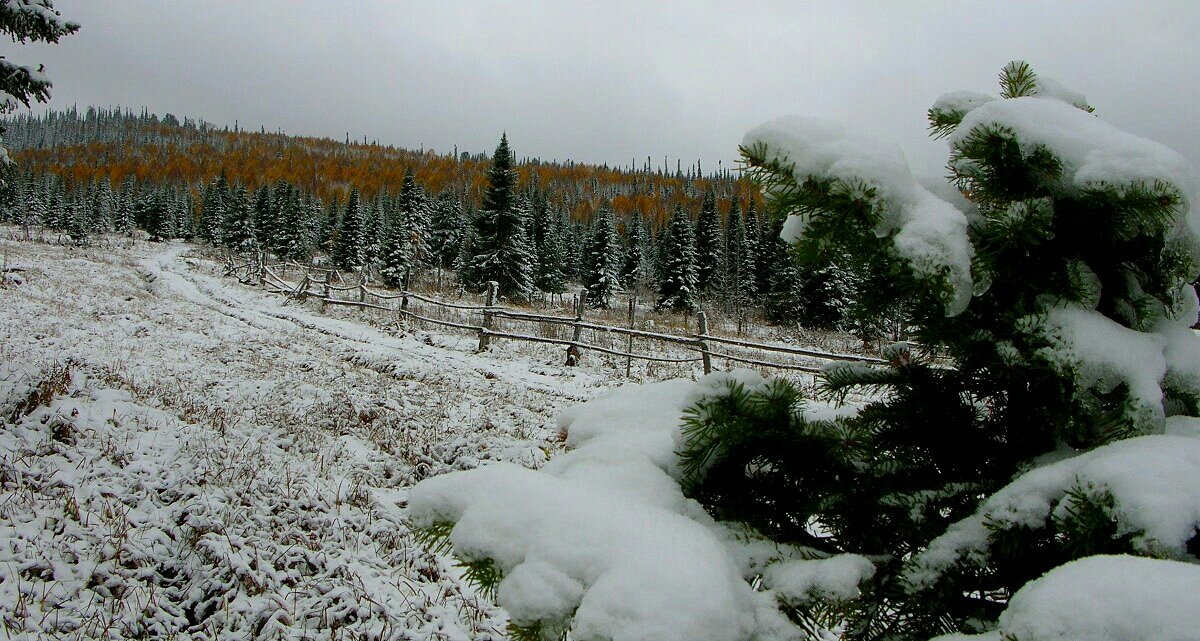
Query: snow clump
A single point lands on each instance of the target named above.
(925, 229)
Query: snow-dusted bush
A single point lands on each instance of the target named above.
(1052, 436)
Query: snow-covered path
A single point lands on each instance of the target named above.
(228, 464)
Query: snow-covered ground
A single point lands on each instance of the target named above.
(216, 462)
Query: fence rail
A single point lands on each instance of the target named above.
(317, 283)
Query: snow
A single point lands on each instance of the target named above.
(227, 457)
(604, 530)
(961, 101)
(1093, 153)
(1106, 353)
(1104, 598)
(836, 577)
(926, 230)
(1049, 88)
(1154, 480)
(605, 534)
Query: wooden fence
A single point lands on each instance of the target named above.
(491, 321)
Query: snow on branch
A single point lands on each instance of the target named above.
(930, 233)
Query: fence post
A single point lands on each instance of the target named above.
(402, 315)
(629, 343)
(573, 351)
(704, 355)
(362, 292)
(262, 270)
(325, 294)
(302, 290)
(484, 339)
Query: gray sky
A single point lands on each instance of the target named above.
(610, 81)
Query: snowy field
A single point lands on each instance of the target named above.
(183, 456)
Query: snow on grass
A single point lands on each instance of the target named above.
(182, 455)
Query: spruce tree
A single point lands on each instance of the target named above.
(414, 215)
(501, 249)
(348, 248)
(552, 256)
(1073, 273)
(709, 245)
(677, 285)
(396, 260)
(214, 209)
(636, 264)
(739, 261)
(602, 261)
(29, 21)
(447, 226)
(264, 217)
(237, 228)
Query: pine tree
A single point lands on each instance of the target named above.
(552, 256)
(29, 21)
(414, 218)
(602, 261)
(396, 258)
(636, 266)
(237, 228)
(446, 229)
(739, 261)
(214, 209)
(291, 228)
(709, 245)
(501, 249)
(1068, 261)
(264, 217)
(348, 249)
(677, 288)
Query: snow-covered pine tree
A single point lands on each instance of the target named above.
(374, 214)
(154, 213)
(26, 21)
(291, 238)
(677, 284)
(348, 250)
(413, 207)
(740, 287)
(709, 245)
(447, 226)
(395, 258)
(1059, 299)
(602, 260)
(501, 250)
(213, 209)
(552, 258)
(636, 265)
(77, 220)
(30, 209)
(102, 205)
(237, 228)
(265, 221)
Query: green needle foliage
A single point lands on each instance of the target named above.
(944, 434)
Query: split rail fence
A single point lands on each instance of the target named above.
(490, 321)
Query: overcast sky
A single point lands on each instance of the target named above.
(610, 81)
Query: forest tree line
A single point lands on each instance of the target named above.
(503, 222)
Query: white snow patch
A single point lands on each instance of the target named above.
(836, 577)
(961, 101)
(604, 530)
(1155, 481)
(1104, 598)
